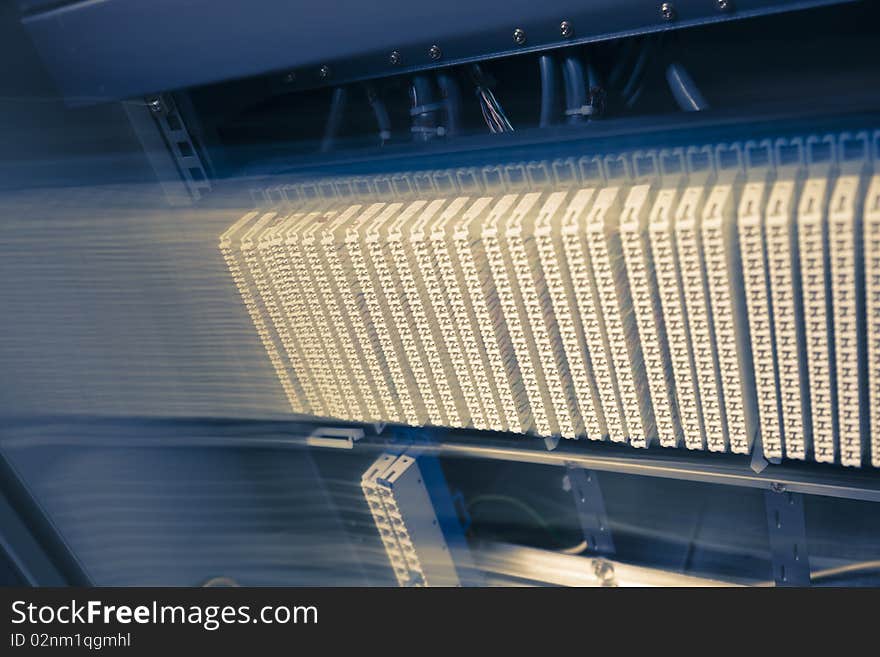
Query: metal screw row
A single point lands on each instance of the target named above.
(667, 12)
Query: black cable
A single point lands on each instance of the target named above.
(424, 116)
(451, 95)
(547, 65)
(684, 89)
(383, 122)
(639, 68)
(334, 118)
(575, 91)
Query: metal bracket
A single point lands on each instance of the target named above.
(788, 537)
(339, 437)
(587, 494)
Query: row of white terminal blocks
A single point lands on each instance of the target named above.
(721, 297)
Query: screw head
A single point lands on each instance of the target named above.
(290, 78)
(324, 72)
(667, 11)
(434, 52)
(566, 29)
(724, 5)
(519, 36)
(155, 104)
(394, 58)
(777, 487)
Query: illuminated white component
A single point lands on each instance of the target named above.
(486, 322)
(545, 351)
(370, 374)
(298, 400)
(780, 236)
(674, 316)
(441, 330)
(389, 342)
(729, 317)
(843, 228)
(606, 258)
(342, 314)
(872, 295)
(305, 299)
(453, 327)
(696, 296)
(329, 317)
(754, 271)
(395, 307)
(563, 308)
(812, 252)
(580, 279)
(277, 275)
(265, 250)
(404, 515)
(645, 302)
(508, 314)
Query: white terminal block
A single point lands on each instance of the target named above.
(621, 333)
(872, 311)
(363, 290)
(330, 318)
(812, 232)
(721, 257)
(442, 359)
(491, 238)
(486, 319)
(578, 276)
(750, 220)
(311, 326)
(389, 338)
(453, 327)
(396, 311)
(271, 343)
(635, 242)
(339, 315)
(661, 227)
(783, 266)
(370, 373)
(844, 235)
(562, 311)
(265, 251)
(689, 238)
(542, 337)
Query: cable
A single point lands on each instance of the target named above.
(860, 567)
(383, 122)
(684, 89)
(334, 118)
(575, 91)
(451, 95)
(547, 66)
(635, 76)
(424, 108)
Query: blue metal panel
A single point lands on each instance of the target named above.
(112, 49)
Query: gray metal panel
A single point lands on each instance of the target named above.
(112, 49)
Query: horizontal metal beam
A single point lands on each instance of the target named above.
(558, 569)
(704, 467)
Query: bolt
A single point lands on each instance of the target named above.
(566, 484)
(394, 58)
(776, 487)
(565, 29)
(324, 72)
(155, 104)
(667, 11)
(519, 36)
(604, 572)
(434, 52)
(724, 5)
(290, 78)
